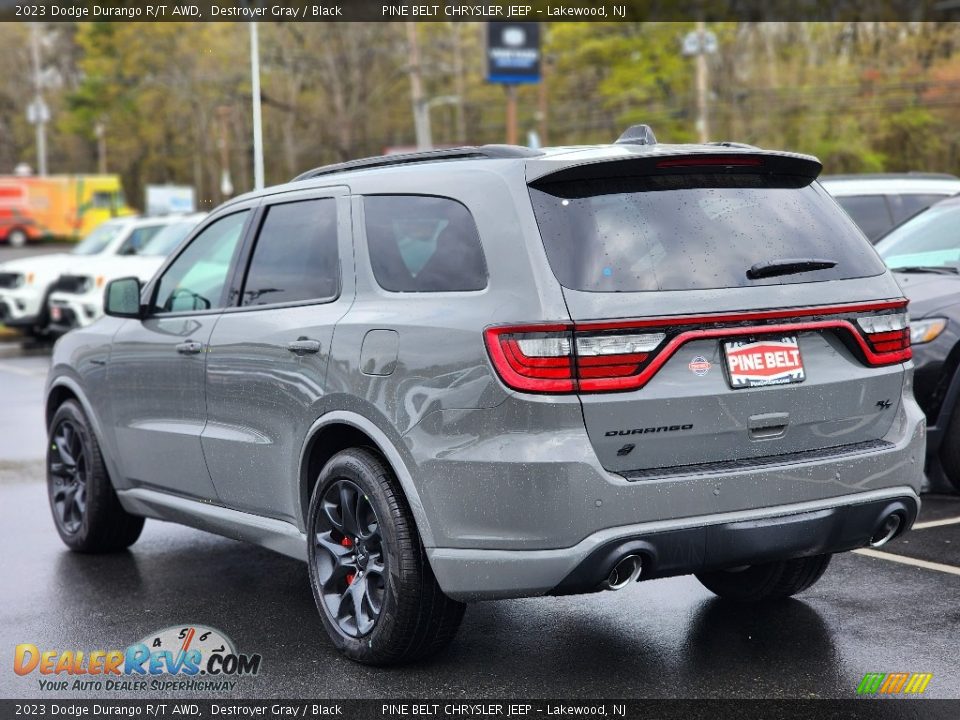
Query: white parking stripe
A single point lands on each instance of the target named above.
(936, 523)
(26, 372)
(926, 564)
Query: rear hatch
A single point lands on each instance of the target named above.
(724, 310)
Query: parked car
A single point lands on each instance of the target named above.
(26, 283)
(16, 229)
(76, 299)
(499, 372)
(879, 201)
(924, 254)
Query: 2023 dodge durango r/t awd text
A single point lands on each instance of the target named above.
(497, 372)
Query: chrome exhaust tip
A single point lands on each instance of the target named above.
(624, 572)
(887, 530)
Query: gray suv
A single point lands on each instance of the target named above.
(495, 372)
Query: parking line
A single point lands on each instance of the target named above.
(926, 564)
(935, 523)
(25, 372)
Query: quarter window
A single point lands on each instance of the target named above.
(296, 255)
(423, 244)
(195, 280)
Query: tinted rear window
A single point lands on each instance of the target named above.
(423, 244)
(870, 212)
(296, 255)
(687, 232)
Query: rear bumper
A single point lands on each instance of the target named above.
(675, 547)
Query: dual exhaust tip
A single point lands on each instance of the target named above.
(626, 571)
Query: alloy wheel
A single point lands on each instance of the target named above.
(349, 558)
(67, 463)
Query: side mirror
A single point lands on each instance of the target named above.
(122, 298)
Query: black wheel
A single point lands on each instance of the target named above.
(85, 508)
(372, 583)
(950, 449)
(17, 238)
(770, 581)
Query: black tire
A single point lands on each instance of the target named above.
(950, 449)
(383, 562)
(17, 238)
(770, 581)
(86, 512)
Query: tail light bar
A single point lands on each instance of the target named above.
(624, 355)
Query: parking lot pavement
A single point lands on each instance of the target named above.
(883, 612)
(43, 248)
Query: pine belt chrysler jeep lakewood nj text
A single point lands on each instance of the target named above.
(497, 372)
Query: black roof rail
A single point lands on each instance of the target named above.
(459, 153)
(637, 135)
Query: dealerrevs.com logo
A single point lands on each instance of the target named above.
(181, 657)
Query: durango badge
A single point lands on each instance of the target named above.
(699, 366)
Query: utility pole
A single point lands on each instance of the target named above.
(511, 114)
(699, 44)
(703, 120)
(100, 130)
(421, 121)
(37, 112)
(459, 87)
(257, 119)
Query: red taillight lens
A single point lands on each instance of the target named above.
(555, 359)
(887, 337)
(533, 358)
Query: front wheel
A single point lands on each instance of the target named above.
(950, 449)
(378, 599)
(769, 581)
(86, 511)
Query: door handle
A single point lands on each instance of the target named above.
(190, 347)
(304, 346)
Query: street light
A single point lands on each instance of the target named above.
(701, 43)
(257, 120)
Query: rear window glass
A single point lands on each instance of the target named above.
(296, 256)
(423, 244)
(870, 212)
(688, 232)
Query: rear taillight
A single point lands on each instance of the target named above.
(887, 336)
(617, 355)
(557, 359)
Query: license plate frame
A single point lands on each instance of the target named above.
(763, 362)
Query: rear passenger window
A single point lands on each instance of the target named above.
(423, 244)
(296, 256)
(905, 206)
(870, 212)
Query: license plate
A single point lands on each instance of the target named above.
(55, 313)
(756, 363)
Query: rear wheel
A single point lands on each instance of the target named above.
(769, 581)
(950, 449)
(371, 580)
(16, 238)
(85, 508)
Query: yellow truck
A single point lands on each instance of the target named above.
(61, 206)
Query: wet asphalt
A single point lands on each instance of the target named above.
(661, 639)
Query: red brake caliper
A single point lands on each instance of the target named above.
(346, 542)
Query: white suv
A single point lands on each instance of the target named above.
(76, 299)
(26, 283)
(877, 202)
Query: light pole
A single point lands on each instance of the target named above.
(700, 43)
(257, 120)
(37, 112)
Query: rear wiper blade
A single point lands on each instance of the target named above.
(940, 269)
(788, 266)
